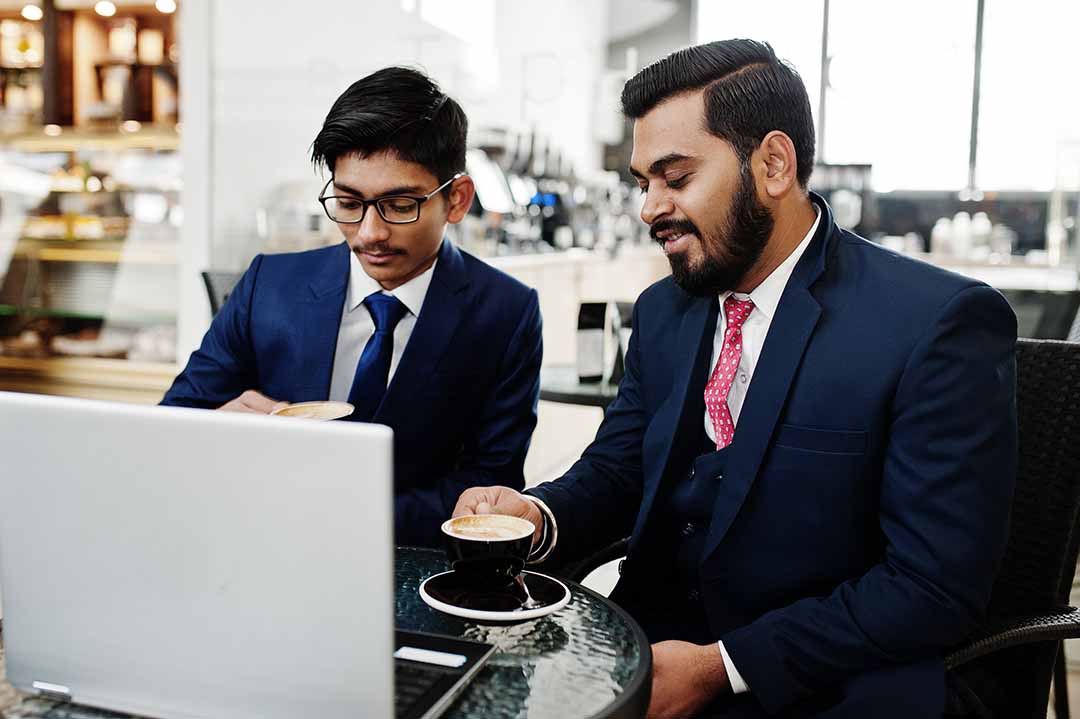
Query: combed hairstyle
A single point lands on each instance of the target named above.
(749, 92)
(397, 110)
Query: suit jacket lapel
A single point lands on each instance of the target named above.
(790, 332)
(678, 417)
(444, 306)
(322, 309)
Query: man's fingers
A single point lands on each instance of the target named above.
(258, 402)
(483, 507)
(467, 502)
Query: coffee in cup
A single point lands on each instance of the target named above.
(320, 411)
(489, 550)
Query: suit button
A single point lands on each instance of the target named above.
(621, 563)
(691, 473)
(693, 595)
(688, 530)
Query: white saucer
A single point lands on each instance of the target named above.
(547, 586)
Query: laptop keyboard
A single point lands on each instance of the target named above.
(411, 682)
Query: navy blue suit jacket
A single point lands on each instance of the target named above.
(864, 507)
(462, 401)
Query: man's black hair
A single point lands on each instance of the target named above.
(397, 110)
(749, 92)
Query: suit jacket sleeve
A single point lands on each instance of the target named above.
(494, 450)
(223, 367)
(947, 483)
(596, 501)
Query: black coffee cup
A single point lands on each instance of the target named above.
(489, 550)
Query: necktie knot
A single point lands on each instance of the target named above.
(386, 311)
(736, 311)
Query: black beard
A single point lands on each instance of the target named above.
(731, 252)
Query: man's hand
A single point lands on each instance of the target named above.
(253, 403)
(499, 500)
(686, 677)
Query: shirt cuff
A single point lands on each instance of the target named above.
(738, 686)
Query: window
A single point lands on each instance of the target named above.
(1029, 105)
(899, 97)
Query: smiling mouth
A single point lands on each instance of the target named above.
(673, 241)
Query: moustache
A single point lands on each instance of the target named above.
(678, 226)
(379, 250)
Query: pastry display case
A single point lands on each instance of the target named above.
(88, 262)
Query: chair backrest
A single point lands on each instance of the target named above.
(1040, 559)
(218, 286)
(1046, 314)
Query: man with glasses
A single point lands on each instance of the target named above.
(413, 332)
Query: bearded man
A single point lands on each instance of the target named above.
(813, 448)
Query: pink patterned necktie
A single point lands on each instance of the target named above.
(719, 384)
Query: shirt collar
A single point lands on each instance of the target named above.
(766, 296)
(411, 294)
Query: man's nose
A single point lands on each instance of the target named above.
(656, 206)
(373, 228)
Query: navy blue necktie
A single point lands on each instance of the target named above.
(373, 369)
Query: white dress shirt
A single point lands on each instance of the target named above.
(766, 298)
(357, 325)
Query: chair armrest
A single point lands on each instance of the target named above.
(1025, 630)
(580, 569)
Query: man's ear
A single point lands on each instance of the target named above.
(779, 165)
(461, 197)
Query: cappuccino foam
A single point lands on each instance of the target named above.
(484, 533)
(316, 410)
(489, 527)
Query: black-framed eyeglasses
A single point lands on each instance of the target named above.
(394, 209)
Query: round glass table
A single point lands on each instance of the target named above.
(589, 659)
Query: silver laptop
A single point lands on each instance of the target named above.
(184, 563)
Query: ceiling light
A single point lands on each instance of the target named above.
(32, 12)
(53, 130)
(131, 126)
(105, 8)
(166, 6)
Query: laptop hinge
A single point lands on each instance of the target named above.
(56, 692)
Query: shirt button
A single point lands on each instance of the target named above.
(742, 378)
(688, 530)
(693, 595)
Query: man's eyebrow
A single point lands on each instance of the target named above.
(662, 164)
(401, 190)
(669, 159)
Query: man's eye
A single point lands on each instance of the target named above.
(348, 204)
(678, 182)
(401, 207)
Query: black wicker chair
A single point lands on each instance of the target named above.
(218, 286)
(1005, 669)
